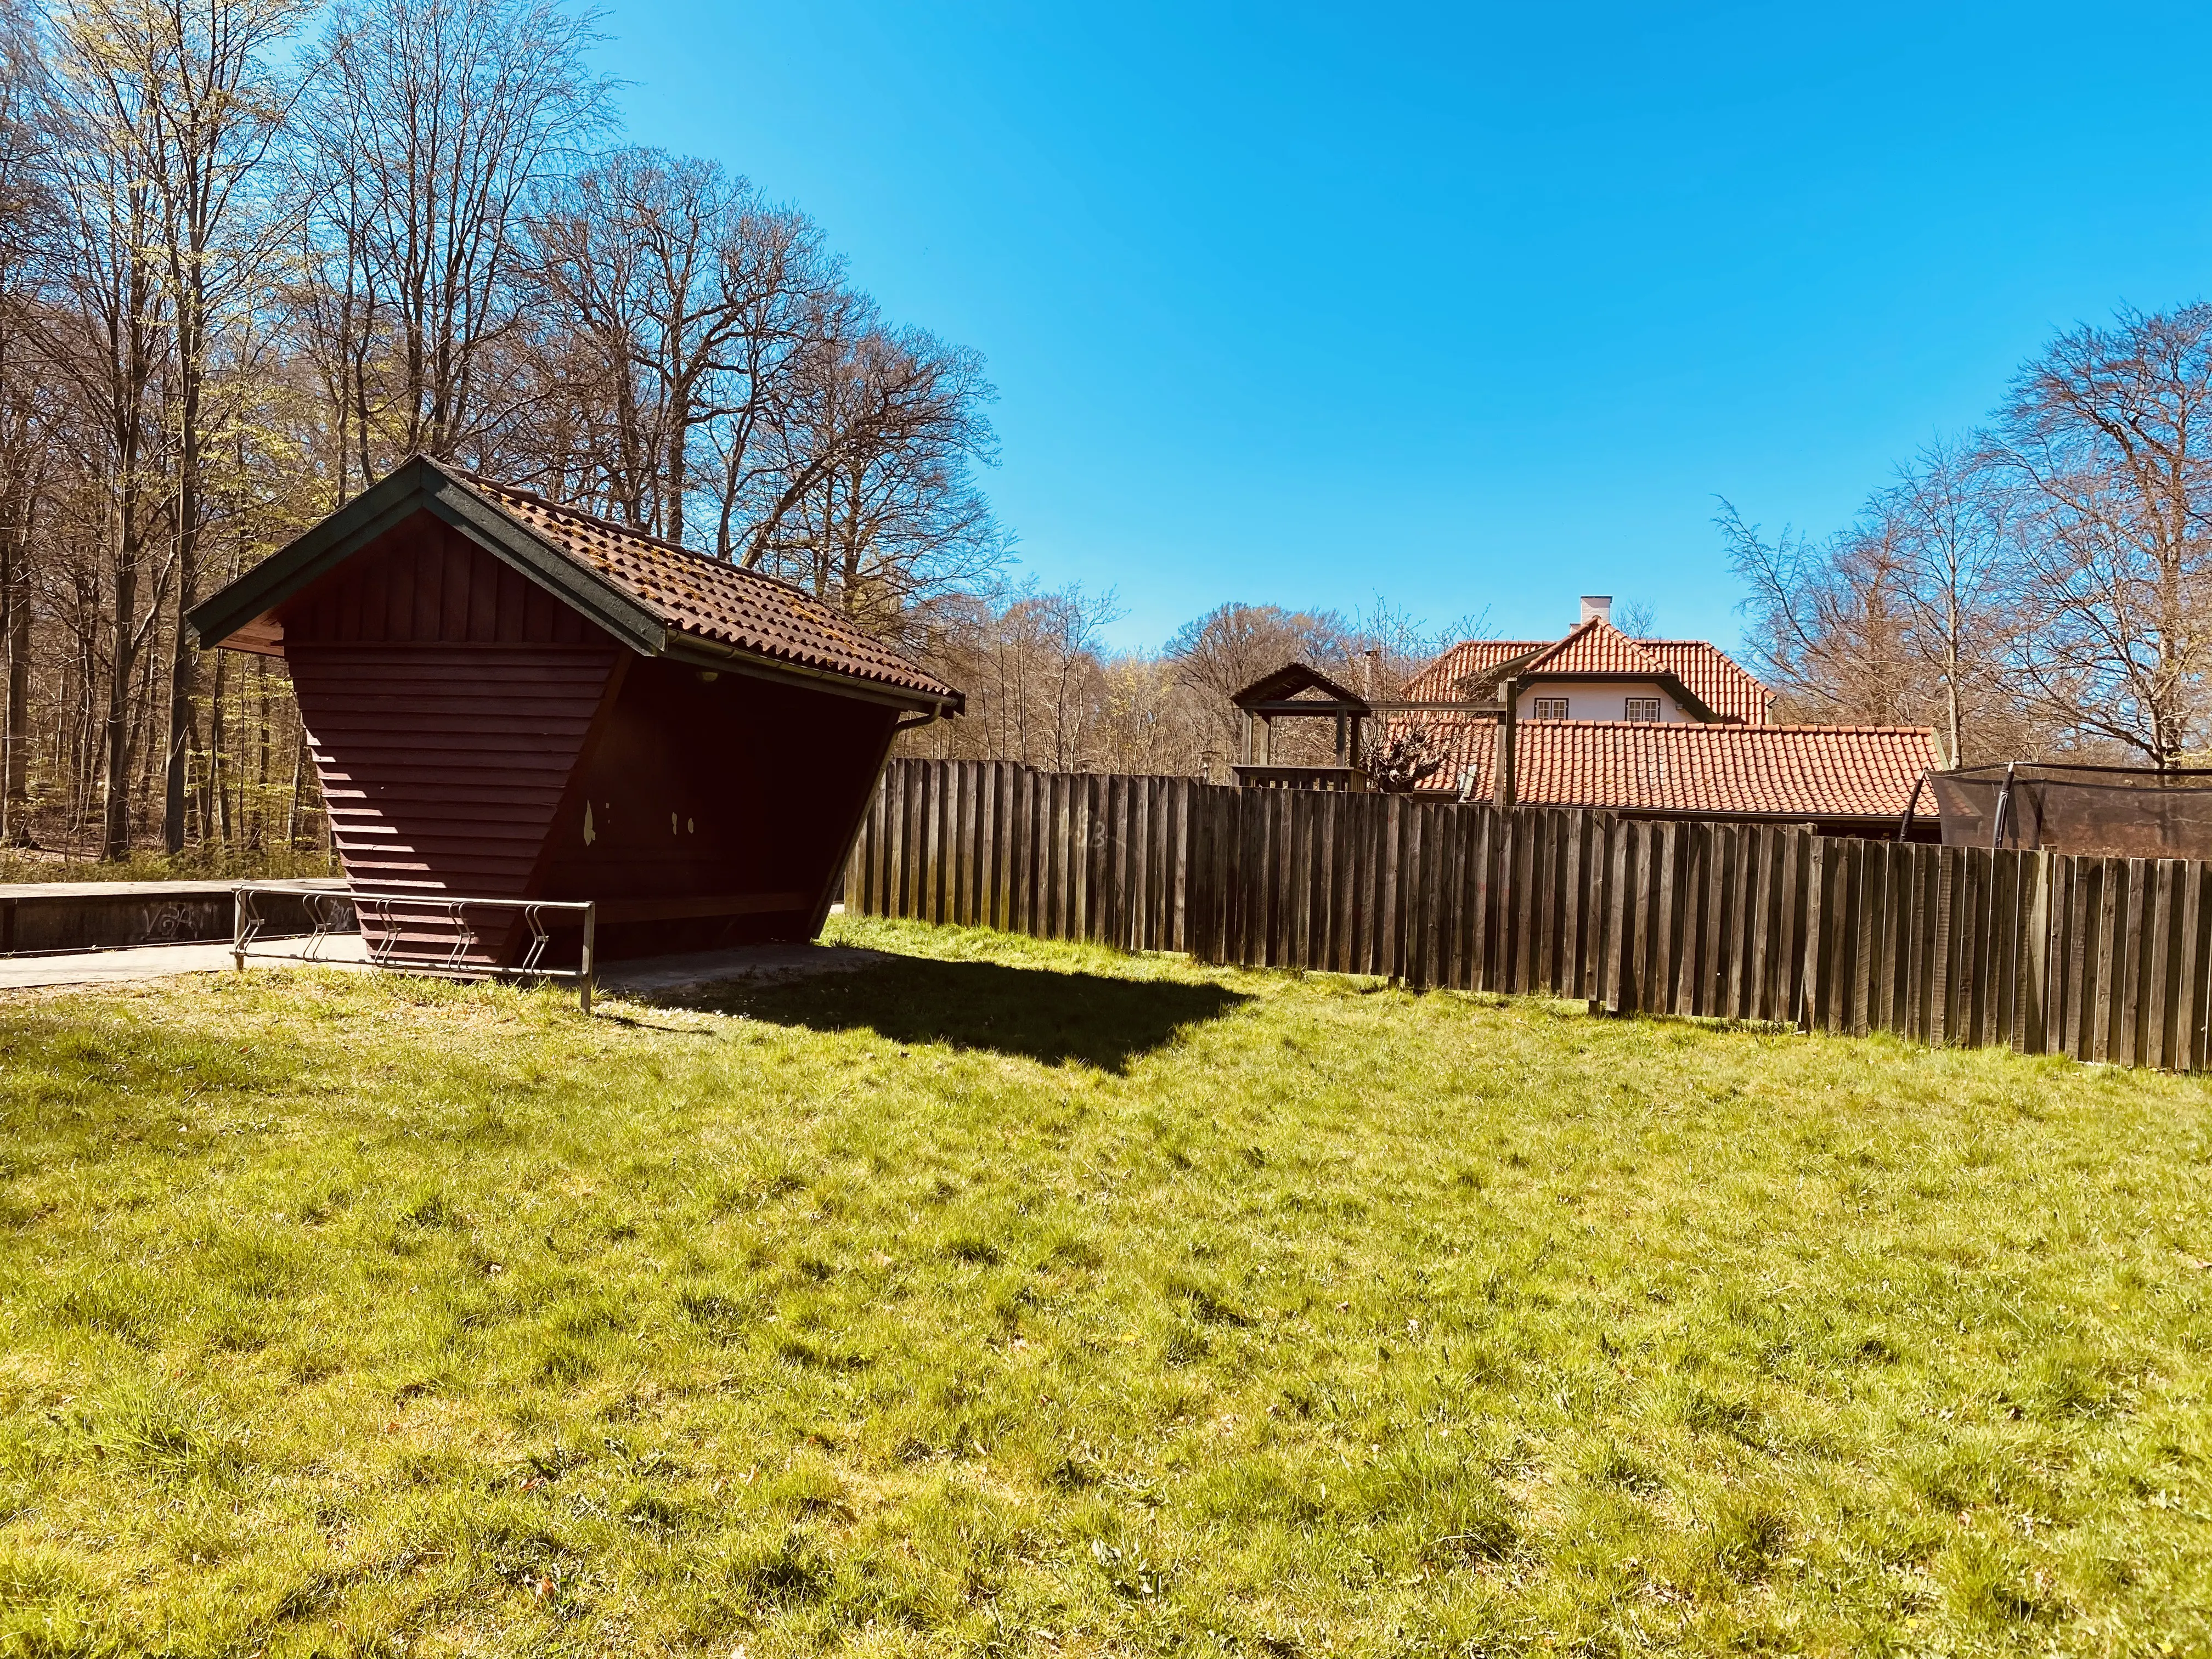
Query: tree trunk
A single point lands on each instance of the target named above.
(16, 694)
(299, 782)
(115, 827)
(184, 713)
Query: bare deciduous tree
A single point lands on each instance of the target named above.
(2039, 587)
(1939, 537)
(673, 299)
(225, 306)
(431, 130)
(875, 506)
(1219, 653)
(1045, 672)
(2105, 448)
(111, 330)
(25, 221)
(1404, 760)
(208, 110)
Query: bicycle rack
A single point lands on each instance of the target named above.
(383, 915)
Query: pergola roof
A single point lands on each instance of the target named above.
(1275, 693)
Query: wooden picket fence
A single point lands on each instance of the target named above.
(2103, 959)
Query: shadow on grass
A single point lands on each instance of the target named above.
(1036, 1013)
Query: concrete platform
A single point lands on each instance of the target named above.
(47, 918)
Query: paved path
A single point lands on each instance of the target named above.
(142, 962)
(648, 976)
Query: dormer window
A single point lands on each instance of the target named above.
(1642, 708)
(1550, 709)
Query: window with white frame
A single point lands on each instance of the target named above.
(1550, 709)
(1642, 708)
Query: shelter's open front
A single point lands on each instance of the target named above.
(509, 699)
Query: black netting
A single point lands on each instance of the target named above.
(2110, 812)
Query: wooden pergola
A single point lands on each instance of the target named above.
(1298, 691)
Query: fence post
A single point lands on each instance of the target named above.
(1621, 918)
(584, 966)
(1812, 935)
(2035, 944)
(1802, 912)
(2187, 980)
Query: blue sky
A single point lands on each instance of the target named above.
(1475, 307)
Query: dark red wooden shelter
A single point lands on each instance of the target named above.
(507, 698)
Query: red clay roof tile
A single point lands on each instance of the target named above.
(1716, 678)
(1701, 770)
(1442, 680)
(1594, 649)
(711, 600)
(1711, 676)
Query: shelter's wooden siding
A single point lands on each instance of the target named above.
(443, 766)
(477, 738)
(2103, 959)
(448, 701)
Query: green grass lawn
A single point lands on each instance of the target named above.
(1016, 1298)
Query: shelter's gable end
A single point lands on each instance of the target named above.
(657, 598)
(246, 614)
(631, 618)
(427, 581)
(242, 617)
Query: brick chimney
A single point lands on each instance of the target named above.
(1599, 605)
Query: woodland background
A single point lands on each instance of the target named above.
(253, 254)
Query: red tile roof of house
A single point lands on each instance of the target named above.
(1797, 772)
(1441, 681)
(1594, 649)
(710, 600)
(1709, 674)
(1720, 681)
